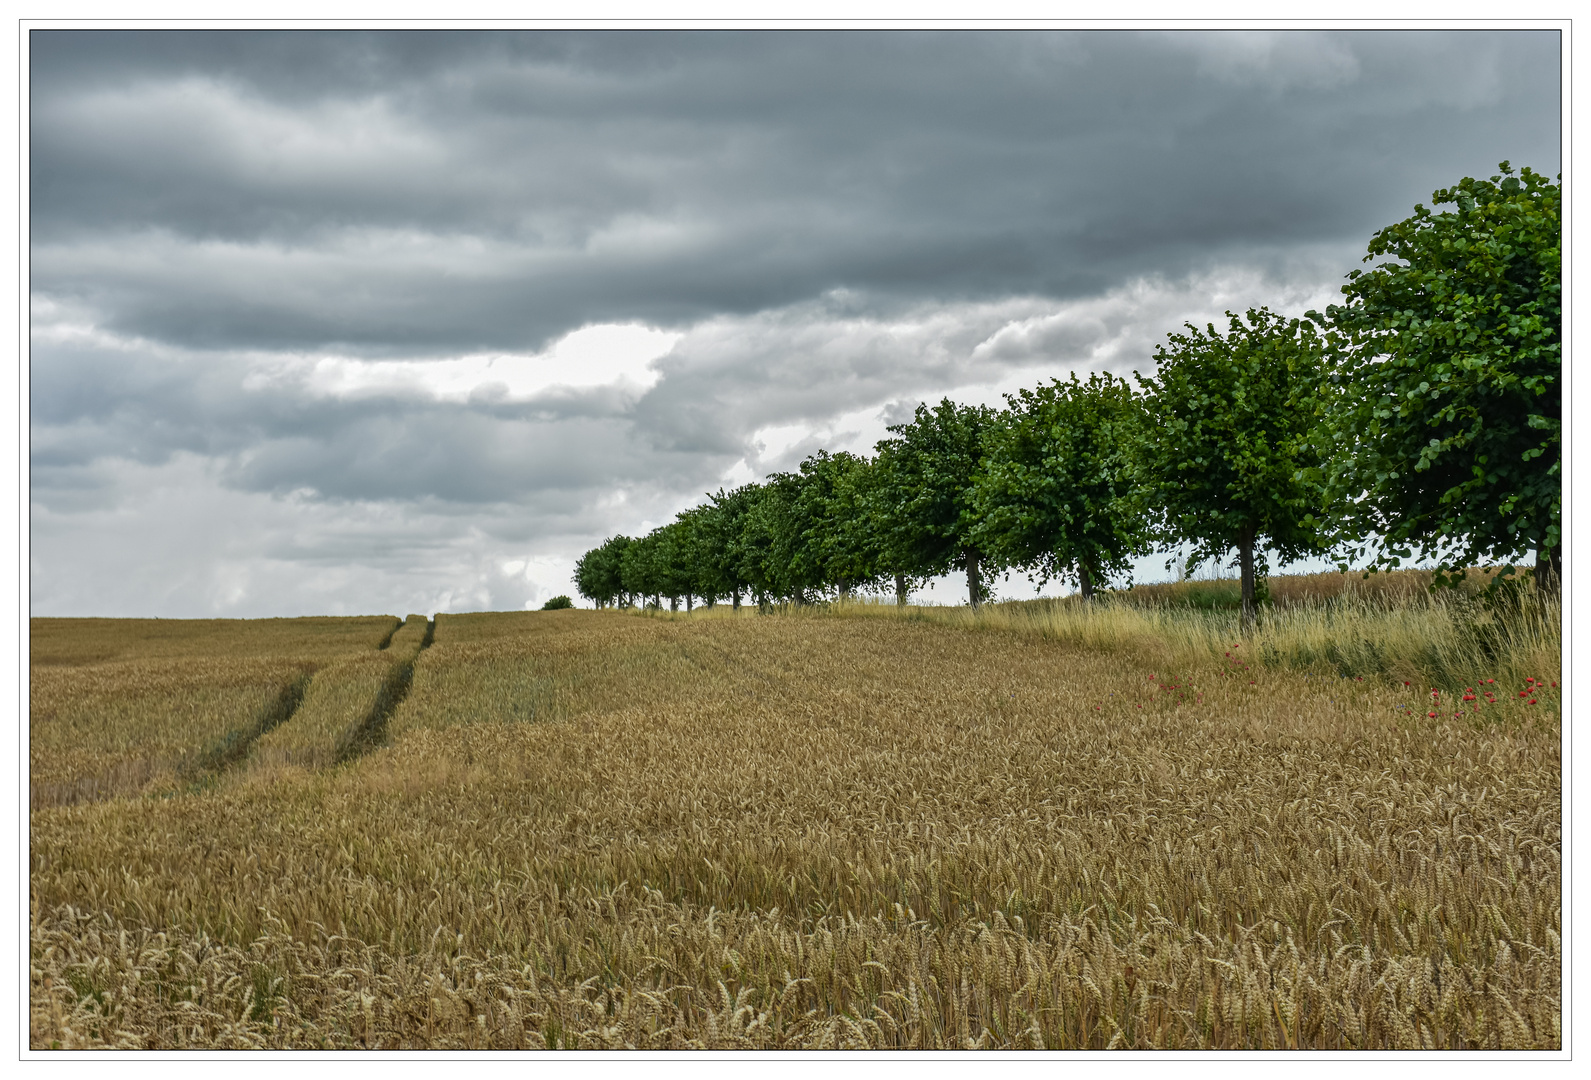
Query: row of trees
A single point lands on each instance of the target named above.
(1419, 419)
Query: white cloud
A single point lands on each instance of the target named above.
(621, 356)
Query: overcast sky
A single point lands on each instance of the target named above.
(335, 323)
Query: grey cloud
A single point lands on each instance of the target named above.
(91, 404)
(1275, 59)
(453, 455)
(673, 177)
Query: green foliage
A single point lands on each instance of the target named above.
(599, 573)
(642, 569)
(1450, 436)
(558, 603)
(1054, 494)
(774, 539)
(726, 562)
(924, 492)
(839, 548)
(697, 552)
(1226, 457)
(674, 564)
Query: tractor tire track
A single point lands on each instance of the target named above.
(371, 732)
(397, 624)
(235, 745)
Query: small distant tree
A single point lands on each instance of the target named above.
(1226, 457)
(924, 497)
(1451, 357)
(558, 603)
(1055, 492)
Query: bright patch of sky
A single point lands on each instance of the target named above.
(620, 356)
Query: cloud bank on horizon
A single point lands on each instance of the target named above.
(338, 322)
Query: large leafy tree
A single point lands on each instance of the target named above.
(838, 548)
(925, 515)
(1451, 350)
(774, 555)
(725, 560)
(701, 551)
(1226, 454)
(599, 574)
(677, 575)
(877, 492)
(642, 569)
(1055, 491)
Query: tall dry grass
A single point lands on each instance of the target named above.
(1399, 631)
(833, 831)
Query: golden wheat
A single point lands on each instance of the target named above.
(119, 705)
(339, 700)
(836, 830)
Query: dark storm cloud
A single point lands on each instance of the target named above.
(496, 190)
(836, 224)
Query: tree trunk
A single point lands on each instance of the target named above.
(673, 603)
(1245, 554)
(1549, 571)
(690, 601)
(1085, 581)
(900, 590)
(974, 581)
(734, 598)
(845, 591)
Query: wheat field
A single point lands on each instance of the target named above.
(848, 828)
